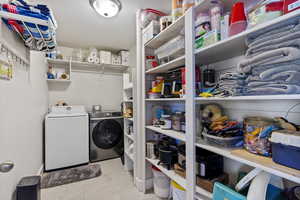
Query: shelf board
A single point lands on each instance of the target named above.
(171, 133)
(253, 160)
(129, 119)
(85, 65)
(130, 87)
(170, 32)
(177, 178)
(128, 101)
(58, 81)
(251, 98)
(178, 62)
(166, 99)
(219, 51)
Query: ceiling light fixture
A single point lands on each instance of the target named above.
(106, 8)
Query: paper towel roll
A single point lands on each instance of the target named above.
(93, 52)
(97, 60)
(91, 59)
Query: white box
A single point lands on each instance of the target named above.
(105, 57)
(225, 27)
(116, 59)
(125, 58)
(151, 31)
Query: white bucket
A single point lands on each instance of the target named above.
(178, 192)
(161, 184)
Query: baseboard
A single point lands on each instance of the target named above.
(144, 185)
(41, 170)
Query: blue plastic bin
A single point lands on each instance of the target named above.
(222, 192)
(286, 155)
(286, 148)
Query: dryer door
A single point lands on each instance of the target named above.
(107, 134)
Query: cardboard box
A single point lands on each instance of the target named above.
(291, 5)
(125, 57)
(116, 59)
(225, 27)
(105, 57)
(209, 184)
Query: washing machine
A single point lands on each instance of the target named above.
(106, 135)
(66, 137)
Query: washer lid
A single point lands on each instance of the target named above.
(67, 111)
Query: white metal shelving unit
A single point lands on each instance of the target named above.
(215, 53)
(129, 136)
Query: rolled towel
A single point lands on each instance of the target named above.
(97, 60)
(91, 60)
(93, 53)
(270, 57)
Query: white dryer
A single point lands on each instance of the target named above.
(66, 137)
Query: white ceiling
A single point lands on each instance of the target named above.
(81, 26)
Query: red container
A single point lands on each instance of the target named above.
(291, 5)
(238, 19)
(238, 13)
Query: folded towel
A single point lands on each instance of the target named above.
(280, 28)
(270, 57)
(273, 89)
(280, 67)
(232, 76)
(292, 40)
(270, 36)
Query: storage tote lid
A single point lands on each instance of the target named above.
(291, 138)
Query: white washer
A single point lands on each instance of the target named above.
(66, 137)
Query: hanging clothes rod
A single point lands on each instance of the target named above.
(10, 49)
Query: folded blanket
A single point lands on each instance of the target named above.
(291, 40)
(273, 89)
(261, 40)
(287, 77)
(231, 82)
(270, 57)
(280, 28)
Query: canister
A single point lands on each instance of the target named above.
(166, 122)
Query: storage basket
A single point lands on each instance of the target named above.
(224, 142)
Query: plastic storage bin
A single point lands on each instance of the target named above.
(174, 47)
(286, 148)
(224, 142)
(161, 183)
(222, 192)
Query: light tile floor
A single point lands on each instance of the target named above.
(114, 184)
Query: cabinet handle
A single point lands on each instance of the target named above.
(6, 166)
